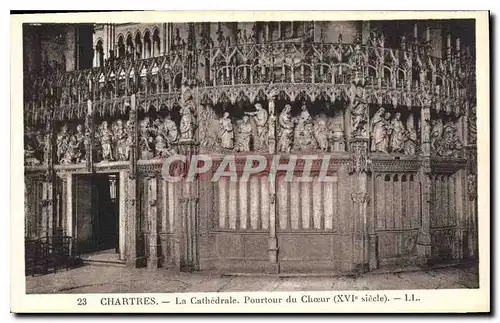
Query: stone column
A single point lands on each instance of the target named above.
(132, 207)
(272, 127)
(47, 209)
(187, 230)
(186, 234)
(122, 214)
(471, 203)
(273, 239)
(89, 137)
(163, 39)
(48, 186)
(360, 167)
(152, 218)
(69, 209)
(424, 235)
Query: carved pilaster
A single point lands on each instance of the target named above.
(273, 247)
(132, 137)
(425, 122)
(272, 127)
(132, 227)
(424, 235)
(152, 220)
(359, 163)
(361, 257)
(471, 202)
(89, 138)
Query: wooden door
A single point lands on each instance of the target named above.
(84, 217)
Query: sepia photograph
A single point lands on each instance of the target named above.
(250, 156)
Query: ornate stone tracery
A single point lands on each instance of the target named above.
(375, 109)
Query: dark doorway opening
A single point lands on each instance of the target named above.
(97, 213)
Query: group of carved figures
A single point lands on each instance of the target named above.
(255, 129)
(70, 146)
(157, 139)
(445, 141)
(35, 146)
(392, 135)
(304, 133)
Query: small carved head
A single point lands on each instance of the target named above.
(226, 115)
(79, 128)
(245, 118)
(258, 106)
(160, 140)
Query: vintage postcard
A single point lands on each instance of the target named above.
(250, 162)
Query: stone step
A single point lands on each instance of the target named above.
(107, 263)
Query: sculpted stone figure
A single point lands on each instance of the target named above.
(451, 143)
(436, 133)
(285, 133)
(130, 137)
(31, 147)
(170, 131)
(321, 134)
(260, 117)
(80, 137)
(73, 152)
(62, 142)
(106, 138)
(243, 134)
(121, 141)
(187, 123)
(380, 135)
(338, 139)
(162, 149)
(359, 111)
(145, 138)
(226, 133)
(398, 134)
(208, 126)
(411, 142)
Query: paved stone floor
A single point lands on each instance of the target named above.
(99, 279)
